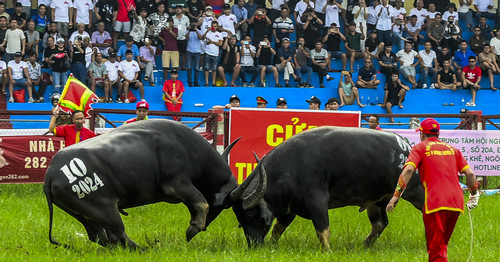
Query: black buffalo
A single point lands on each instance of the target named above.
(326, 168)
(141, 163)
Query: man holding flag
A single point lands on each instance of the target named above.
(77, 100)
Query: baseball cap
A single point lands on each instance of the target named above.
(142, 104)
(464, 111)
(285, 39)
(208, 7)
(374, 31)
(174, 72)
(18, 54)
(280, 101)
(60, 40)
(112, 54)
(314, 100)
(261, 100)
(429, 126)
(226, 6)
(233, 97)
(19, 4)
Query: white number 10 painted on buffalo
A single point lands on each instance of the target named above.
(85, 185)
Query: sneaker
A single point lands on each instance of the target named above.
(468, 104)
(11, 99)
(288, 85)
(278, 85)
(261, 85)
(309, 85)
(251, 85)
(432, 86)
(41, 100)
(110, 100)
(196, 84)
(329, 78)
(126, 101)
(245, 84)
(424, 86)
(146, 78)
(142, 100)
(321, 86)
(118, 100)
(472, 104)
(31, 100)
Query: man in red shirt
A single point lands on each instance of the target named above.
(122, 23)
(141, 109)
(72, 133)
(471, 76)
(173, 90)
(438, 164)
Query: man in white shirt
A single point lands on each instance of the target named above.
(213, 41)
(62, 14)
(421, 13)
(371, 20)
(428, 58)
(181, 22)
(19, 76)
(407, 57)
(3, 76)
(247, 52)
(129, 72)
(83, 12)
(385, 12)
(15, 40)
(113, 77)
(483, 8)
(495, 43)
(227, 21)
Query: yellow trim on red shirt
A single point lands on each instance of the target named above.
(426, 209)
(463, 169)
(411, 163)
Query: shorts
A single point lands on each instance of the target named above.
(349, 100)
(408, 71)
(133, 84)
(210, 62)
(269, 68)
(115, 83)
(228, 68)
(182, 46)
(122, 27)
(62, 28)
(374, 52)
(20, 82)
(357, 55)
(336, 54)
(168, 57)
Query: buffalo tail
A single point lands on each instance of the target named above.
(48, 195)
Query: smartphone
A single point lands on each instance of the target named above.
(264, 43)
(245, 42)
(167, 24)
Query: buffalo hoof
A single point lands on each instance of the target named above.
(191, 232)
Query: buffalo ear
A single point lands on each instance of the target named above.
(265, 213)
(221, 200)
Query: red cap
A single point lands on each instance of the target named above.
(142, 104)
(429, 126)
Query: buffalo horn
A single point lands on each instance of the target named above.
(256, 157)
(238, 192)
(225, 154)
(253, 199)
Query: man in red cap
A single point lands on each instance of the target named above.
(141, 109)
(438, 164)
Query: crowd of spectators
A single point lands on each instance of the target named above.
(245, 37)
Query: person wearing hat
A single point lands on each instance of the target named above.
(141, 110)
(173, 89)
(314, 103)
(227, 21)
(19, 76)
(261, 102)
(438, 164)
(62, 119)
(129, 73)
(129, 45)
(113, 77)
(332, 104)
(452, 11)
(234, 101)
(281, 103)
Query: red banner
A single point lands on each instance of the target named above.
(24, 159)
(263, 129)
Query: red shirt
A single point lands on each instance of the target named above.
(122, 15)
(472, 74)
(170, 86)
(72, 135)
(132, 120)
(170, 43)
(439, 164)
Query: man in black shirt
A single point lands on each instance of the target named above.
(3, 30)
(443, 55)
(106, 11)
(265, 54)
(446, 78)
(367, 76)
(230, 61)
(19, 16)
(388, 61)
(332, 40)
(373, 46)
(261, 24)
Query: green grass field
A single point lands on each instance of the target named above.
(161, 229)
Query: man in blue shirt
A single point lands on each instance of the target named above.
(129, 45)
(241, 14)
(461, 58)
